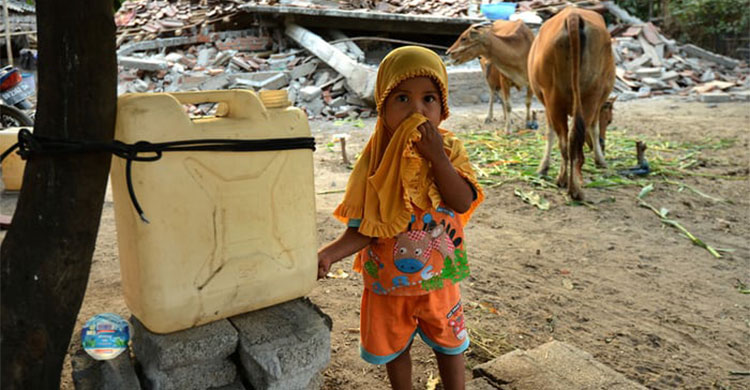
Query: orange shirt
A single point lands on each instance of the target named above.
(429, 254)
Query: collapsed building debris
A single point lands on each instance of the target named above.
(331, 76)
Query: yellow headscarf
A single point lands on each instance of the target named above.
(391, 175)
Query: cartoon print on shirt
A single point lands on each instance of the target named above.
(456, 321)
(413, 248)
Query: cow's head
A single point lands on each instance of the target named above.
(413, 249)
(471, 44)
(605, 118)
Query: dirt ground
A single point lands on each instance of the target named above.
(609, 279)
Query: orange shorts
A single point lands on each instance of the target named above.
(388, 324)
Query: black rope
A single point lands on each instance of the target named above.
(29, 144)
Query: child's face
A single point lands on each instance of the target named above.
(417, 94)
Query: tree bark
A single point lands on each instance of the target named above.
(46, 255)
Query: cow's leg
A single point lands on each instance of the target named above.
(575, 145)
(598, 153)
(557, 124)
(563, 142)
(505, 89)
(544, 164)
(529, 124)
(489, 117)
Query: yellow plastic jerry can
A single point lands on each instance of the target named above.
(228, 232)
(13, 165)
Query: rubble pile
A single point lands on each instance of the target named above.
(649, 64)
(241, 59)
(144, 19)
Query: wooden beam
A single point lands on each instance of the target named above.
(46, 254)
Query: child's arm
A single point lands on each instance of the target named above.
(351, 241)
(455, 191)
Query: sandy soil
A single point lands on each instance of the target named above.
(610, 279)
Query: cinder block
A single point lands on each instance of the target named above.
(114, 374)
(199, 376)
(284, 347)
(160, 352)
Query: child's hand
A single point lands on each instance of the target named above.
(324, 265)
(431, 143)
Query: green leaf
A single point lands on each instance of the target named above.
(532, 198)
(646, 190)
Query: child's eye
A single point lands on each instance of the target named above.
(402, 98)
(430, 98)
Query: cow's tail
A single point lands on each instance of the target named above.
(577, 41)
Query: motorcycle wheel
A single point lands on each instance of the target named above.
(13, 117)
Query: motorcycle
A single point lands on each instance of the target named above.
(13, 99)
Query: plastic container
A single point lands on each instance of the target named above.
(29, 79)
(13, 165)
(497, 11)
(229, 232)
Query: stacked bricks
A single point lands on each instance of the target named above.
(286, 346)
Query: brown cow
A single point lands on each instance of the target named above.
(496, 82)
(506, 45)
(572, 72)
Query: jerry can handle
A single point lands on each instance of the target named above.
(231, 103)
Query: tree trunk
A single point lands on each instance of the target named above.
(46, 255)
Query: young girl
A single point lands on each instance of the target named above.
(407, 200)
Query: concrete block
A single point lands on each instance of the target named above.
(730, 63)
(649, 72)
(115, 374)
(216, 82)
(337, 102)
(201, 376)
(321, 78)
(304, 70)
(174, 57)
(553, 366)
(205, 55)
(310, 92)
(214, 341)
(284, 347)
(655, 83)
(314, 107)
(715, 97)
(670, 75)
(267, 80)
(707, 76)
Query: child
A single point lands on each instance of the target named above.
(407, 200)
